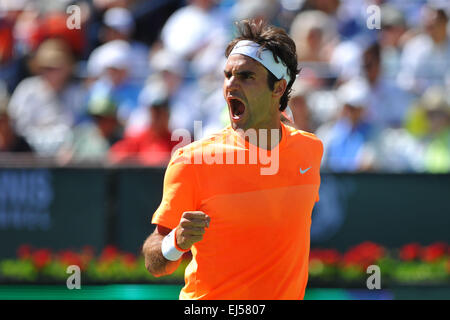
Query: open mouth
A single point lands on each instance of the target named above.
(237, 108)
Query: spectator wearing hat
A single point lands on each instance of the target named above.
(43, 108)
(119, 24)
(92, 139)
(192, 27)
(345, 139)
(154, 145)
(111, 64)
(53, 24)
(185, 97)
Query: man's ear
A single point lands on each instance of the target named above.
(279, 88)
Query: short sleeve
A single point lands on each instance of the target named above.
(180, 193)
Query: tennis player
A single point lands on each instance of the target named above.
(248, 231)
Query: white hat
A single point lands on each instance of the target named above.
(165, 60)
(119, 19)
(354, 92)
(114, 54)
(154, 92)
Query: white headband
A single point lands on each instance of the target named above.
(265, 57)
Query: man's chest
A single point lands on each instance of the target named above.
(242, 197)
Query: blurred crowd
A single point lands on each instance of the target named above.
(113, 80)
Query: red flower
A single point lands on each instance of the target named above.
(326, 256)
(41, 258)
(434, 252)
(330, 256)
(109, 254)
(129, 260)
(87, 251)
(24, 252)
(68, 258)
(87, 254)
(364, 254)
(410, 251)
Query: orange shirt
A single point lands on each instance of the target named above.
(257, 244)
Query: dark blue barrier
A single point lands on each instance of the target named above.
(52, 208)
(70, 207)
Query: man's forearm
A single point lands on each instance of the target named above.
(155, 262)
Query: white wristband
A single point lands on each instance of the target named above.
(169, 251)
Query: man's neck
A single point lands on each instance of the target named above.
(265, 138)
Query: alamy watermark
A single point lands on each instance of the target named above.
(374, 17)
(74, 280)
(229, 149)
(374, 281)
(74, 19)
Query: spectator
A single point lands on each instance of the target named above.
(393, 34)
(298, 104)
(119, 25)
(437, 139)
(205, 22)
(9, 140)
(43, 108)
(111, 64)
(395, 150)
(53, 24)
(185, 97)
(346, 139)
(425, 59)
(424, 144)
(13, 66)
(333, 49)
(200, 48)
(347, 17)
(387, 104)
(92, 139)
(154, 145)
(255, 9)
(314, 35)
(345, 60)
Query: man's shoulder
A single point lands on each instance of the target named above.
(301, 135)
(303, 144)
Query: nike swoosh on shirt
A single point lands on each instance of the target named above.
(304, 171)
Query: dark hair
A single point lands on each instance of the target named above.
(278, 42)
(373, 50)
(442, 15)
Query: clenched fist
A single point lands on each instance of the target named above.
(191, 228)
